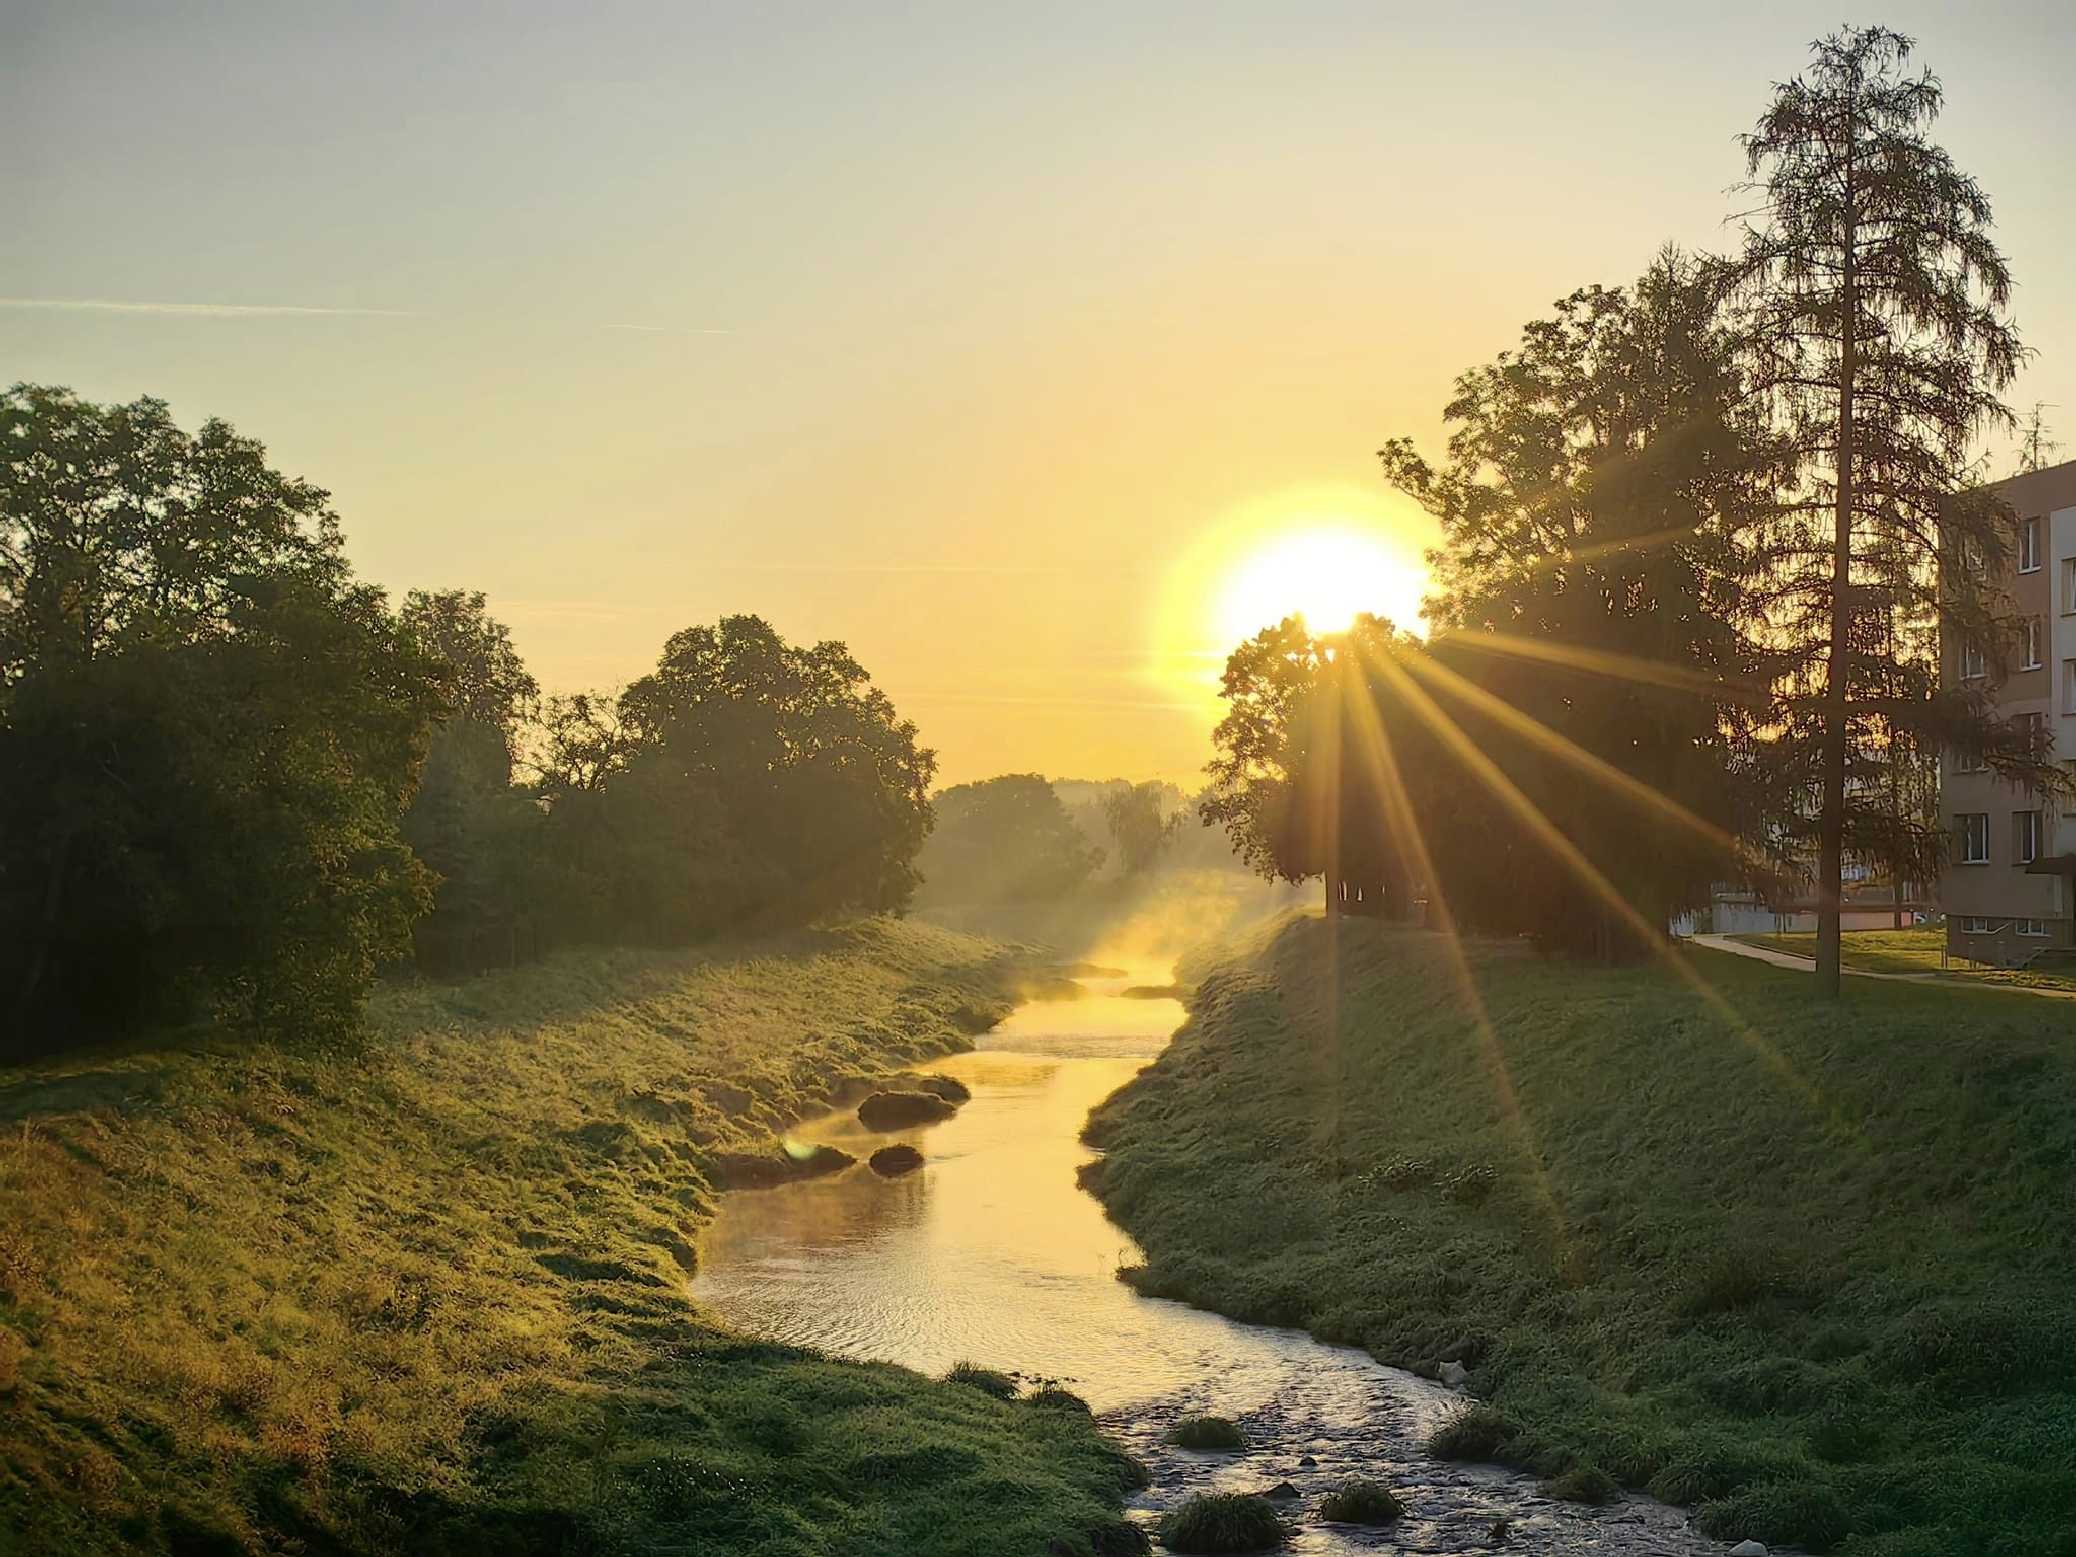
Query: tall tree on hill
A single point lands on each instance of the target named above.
(1873, 327)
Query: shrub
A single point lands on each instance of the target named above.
(1222, 1522)
(1583, 1484)
(1361, 1503)
(988, 1381)
(1206, 1432)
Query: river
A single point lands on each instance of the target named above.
(992, 1254)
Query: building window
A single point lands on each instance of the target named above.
(1971, 830)
(1969, 761)
(1972, 666)
(2029, 546)
(1974, 924)
(2036, 641)
(2068, 585)
(2032, 926)
(2069, 686)
(2025, 837)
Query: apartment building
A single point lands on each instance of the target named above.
(2007, 888)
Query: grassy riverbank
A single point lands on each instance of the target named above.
(1808, 1270)
(428, 1297)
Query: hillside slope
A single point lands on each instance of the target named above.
(430, 1296)
(1809, 1269)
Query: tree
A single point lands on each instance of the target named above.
(208, 732)
(1595, 509)
(1298, 779)
(1874, 332)
(813, 774)
(1004, 839)
(468, 823)
(1140, 825)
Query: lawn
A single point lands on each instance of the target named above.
(429, 1296)
(1920, 949)
(1803, 1266)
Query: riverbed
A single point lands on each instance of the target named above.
(992, 1254)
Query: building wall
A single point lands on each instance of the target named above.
(2002, 891)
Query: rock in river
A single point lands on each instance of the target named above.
(893, 1161)
(893, 1110)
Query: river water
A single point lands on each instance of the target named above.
(991, 1254)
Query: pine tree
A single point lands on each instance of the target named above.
(1873, 327)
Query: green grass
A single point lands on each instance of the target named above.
(1808, 1269)
(1222, 1522)
(429, 1296)
(1919, 949)
(1361, 1503)
(1206, 1432)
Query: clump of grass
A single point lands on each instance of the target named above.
(1584, 1483)
(1223, 1522)
(1361, 1503)
(1054, 1398)
(1477, 1433)
(950, 1088)
(989, 1381)
(1206, 1432)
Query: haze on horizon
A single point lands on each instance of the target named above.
(988, 345)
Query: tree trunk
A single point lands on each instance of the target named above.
(1837, 669)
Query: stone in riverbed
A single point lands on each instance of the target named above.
(1308, 1463)
(894, 1110)
(762, 1170)
(950, 1088)
(1282, 1489)
(893, 1161)
(1748, 1549)
(1453, 1374)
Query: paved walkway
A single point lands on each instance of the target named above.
(1781, 959)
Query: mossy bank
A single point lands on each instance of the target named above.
(1805, 1266)
(430, 1295)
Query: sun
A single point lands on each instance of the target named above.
(1327, 573)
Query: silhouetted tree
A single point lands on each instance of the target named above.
(1873, 329)
(1005, 838)
(482, 836)
(1141, 827)
(1596, 510)
(208, 733)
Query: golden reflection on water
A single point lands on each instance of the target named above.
(991, 1252)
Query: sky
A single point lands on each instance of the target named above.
(988, 339)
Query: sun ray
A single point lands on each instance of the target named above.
(1488, 773)
(1567, 750)
(1604, 662)
(1377, 749)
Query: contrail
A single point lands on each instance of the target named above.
(203, 310)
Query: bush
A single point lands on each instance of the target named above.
(1206, 1432)
(988, 1381)
(1222, 1522)
(1361, 1503)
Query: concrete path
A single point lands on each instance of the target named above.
(1781, 959)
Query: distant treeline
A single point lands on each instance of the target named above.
(234, 782)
